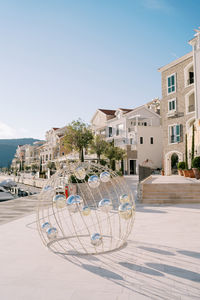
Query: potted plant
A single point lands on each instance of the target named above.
(186, 173)
(191, 173)
(181, 167)
(196, 167)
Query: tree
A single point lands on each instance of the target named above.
(113, 154)
(51, 165)
(192, 152)
(27, 168)
(98, 146)
(34, 167)
(186, 153)
(78, 137)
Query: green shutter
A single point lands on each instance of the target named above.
(169, 83)
(173, 79)
(173, 104)
(178, 133)
(170, 105)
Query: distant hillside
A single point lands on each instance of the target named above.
(8, 148)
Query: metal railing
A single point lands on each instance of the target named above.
(190, 80)
(191, 108)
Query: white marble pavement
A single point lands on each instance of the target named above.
(161, 261)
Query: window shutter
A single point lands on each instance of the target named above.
(178, 133)
(181, 133)
(172, 78)
(169, 82)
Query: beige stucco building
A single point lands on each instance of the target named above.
(177, 109)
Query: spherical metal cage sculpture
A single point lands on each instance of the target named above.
(85, 208)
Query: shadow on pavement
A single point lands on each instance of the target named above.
(141, 269)
(190, 253)
(175, 271)
(102, 272)
(159, 251)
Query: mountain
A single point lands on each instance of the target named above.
(8, 148)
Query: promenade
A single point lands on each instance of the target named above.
(160, 261)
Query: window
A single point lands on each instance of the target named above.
(171, 84)
(119, 129)
(151, 140)
(191, 78)
(63, 153)
(145, 123)
(190, 102)
(141, 140)
(189, 74)
(172, 105)
(131, 141)
(109, 131)
(174, 133)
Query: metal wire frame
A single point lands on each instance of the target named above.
(75, 229)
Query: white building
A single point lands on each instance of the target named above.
(137, 131)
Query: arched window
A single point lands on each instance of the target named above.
(189, 74)
(190, 102)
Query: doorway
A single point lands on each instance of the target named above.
(174, 163)
(132, 166)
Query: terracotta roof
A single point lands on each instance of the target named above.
(108, 111)
(54, 128)
(126, 109)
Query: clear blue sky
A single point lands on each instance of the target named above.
(61, 60)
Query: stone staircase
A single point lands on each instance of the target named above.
(169, 189)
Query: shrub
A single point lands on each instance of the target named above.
(196, 162)
(181, 165)
(103, 162)
(119, 173)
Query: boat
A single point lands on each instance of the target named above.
(5, 195)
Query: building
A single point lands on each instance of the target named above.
(178, 109)
(137, 131)
(195, 43)
(32, 155)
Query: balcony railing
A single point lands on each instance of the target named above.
(174, 139)
(191, 108)
(190, 81)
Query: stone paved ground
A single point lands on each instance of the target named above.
(17, 208)
(161, 261)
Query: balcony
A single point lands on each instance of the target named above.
(190, 80)
(172, 113)
(120, 142)
(191, 108)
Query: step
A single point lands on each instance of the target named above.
(170, 201)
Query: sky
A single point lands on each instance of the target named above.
(62, 60)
